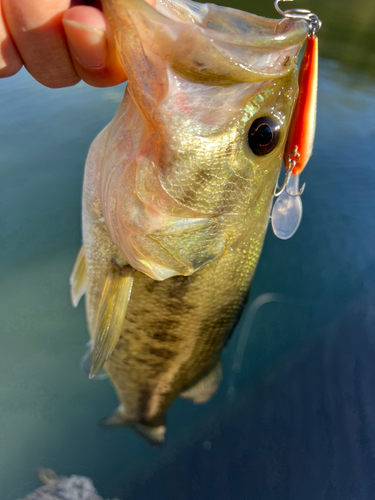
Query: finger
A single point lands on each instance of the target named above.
(36, 29)
(10, 60)
(92, 47)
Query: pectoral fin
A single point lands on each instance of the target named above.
(77, 279)
(111, 315)
(86, 362)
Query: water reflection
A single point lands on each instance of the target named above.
(300, 424)
(301, 429)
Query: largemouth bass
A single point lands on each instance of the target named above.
(177, 195)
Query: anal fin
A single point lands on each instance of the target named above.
(205, 388)
(111, 315)
(77, 279)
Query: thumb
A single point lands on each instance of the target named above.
(92, 47)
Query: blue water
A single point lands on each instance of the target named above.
(294, 418)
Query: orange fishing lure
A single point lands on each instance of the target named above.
(300, 141)
(287, 210)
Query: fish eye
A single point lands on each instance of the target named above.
(263, 135)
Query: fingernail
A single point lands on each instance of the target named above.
(87, 44)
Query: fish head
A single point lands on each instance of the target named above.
(197, 144)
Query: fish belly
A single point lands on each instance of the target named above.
(174, 329)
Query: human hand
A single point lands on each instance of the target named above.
(59, 42)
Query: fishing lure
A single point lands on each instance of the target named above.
(287, 210)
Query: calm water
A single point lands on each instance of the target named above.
(297, 421)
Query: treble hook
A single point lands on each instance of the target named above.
(293, 160)
(313, 20)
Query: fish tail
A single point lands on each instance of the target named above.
(154, 434)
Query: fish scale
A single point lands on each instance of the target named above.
(208, 306)
(175, 202)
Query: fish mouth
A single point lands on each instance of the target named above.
(225, 45)
(235, 26)
(208, 43)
